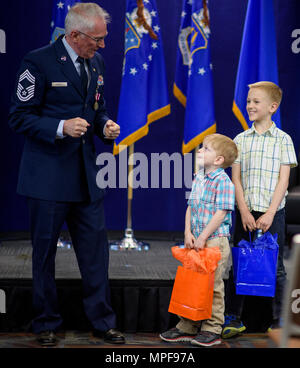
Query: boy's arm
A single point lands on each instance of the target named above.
(248, 220)
(265, 221)
(189, 239)
(211, 227)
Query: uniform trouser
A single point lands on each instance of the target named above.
(234, 302)
(214, 324)
(86, 225)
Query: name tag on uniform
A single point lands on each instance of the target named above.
(59, 84)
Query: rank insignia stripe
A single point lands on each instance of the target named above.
(26, 86)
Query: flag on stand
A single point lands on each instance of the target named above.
(258, 56)
(144, 93)
(59, 12)
(193, 85)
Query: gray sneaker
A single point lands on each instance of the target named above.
(175, 335)
(206, 338)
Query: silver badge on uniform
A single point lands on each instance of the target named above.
(26, 84)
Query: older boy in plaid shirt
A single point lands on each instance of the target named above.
(261, 176)
(208, 221)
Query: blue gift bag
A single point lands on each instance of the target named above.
(255, 265)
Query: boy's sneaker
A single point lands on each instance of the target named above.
(175, 335)
(277, 323)
(232, 326)
(206, 338)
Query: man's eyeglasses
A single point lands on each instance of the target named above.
(96, 39)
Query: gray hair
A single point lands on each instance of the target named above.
(81, 16)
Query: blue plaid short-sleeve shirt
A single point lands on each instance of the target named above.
(210, 193)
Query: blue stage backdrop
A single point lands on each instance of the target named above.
(25, 25)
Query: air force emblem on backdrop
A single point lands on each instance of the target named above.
(133, 30)
(26, 84)
(194, 38)
(58, 31)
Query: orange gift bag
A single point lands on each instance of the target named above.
(192, 294)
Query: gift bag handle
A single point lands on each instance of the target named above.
(258, 231)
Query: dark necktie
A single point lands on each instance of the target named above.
(83, 75)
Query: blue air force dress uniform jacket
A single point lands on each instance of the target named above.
(61, 173)
(48, 90)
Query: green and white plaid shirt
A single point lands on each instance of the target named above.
(260, 157)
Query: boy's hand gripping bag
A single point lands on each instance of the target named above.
(192, 294)
(255, 265)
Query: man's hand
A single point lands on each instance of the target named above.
(112, 130)
(75, 127)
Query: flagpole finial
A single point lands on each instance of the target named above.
(142, 21)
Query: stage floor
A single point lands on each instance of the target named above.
(155, 264)
(75, 339)
(141, 284)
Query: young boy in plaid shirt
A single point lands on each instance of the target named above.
(207, 224)
(261, 176)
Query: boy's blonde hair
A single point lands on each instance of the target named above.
(223, 146)
(273, 91)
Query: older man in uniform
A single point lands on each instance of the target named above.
(58, 105)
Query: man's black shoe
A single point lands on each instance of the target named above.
(111, 336)
(47, 338)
